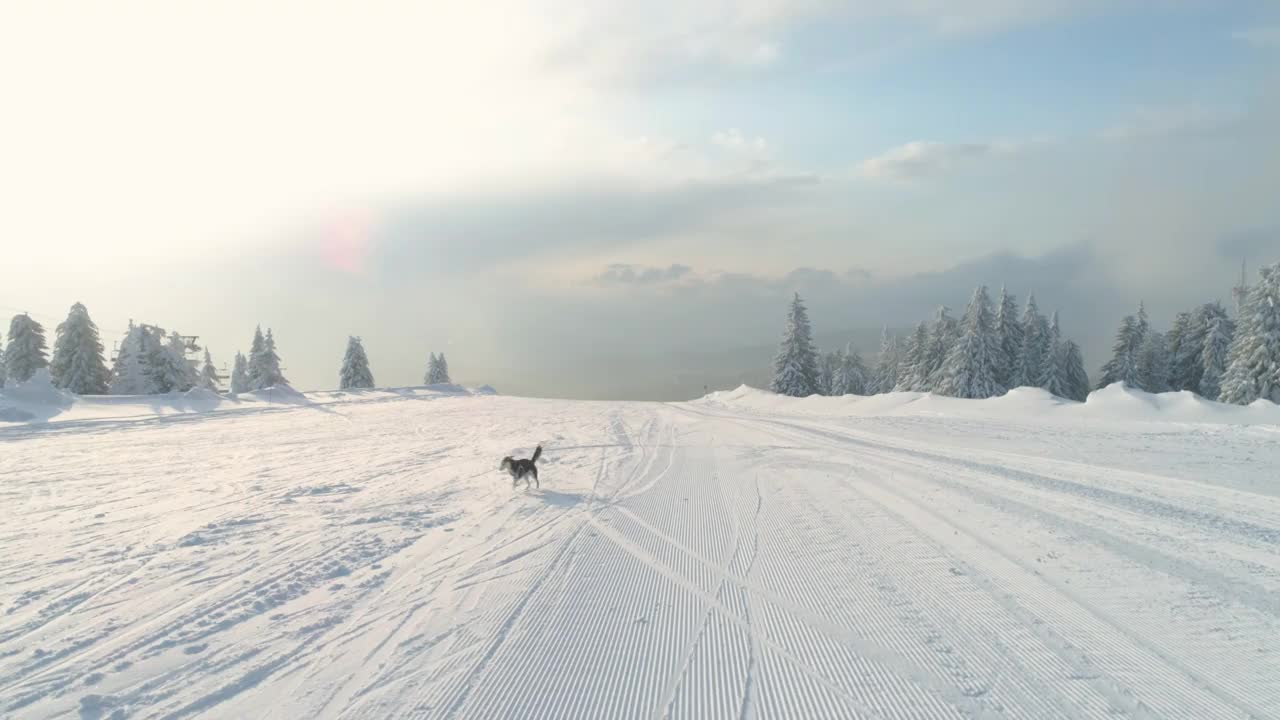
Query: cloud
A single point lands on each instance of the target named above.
(922, 159)
(1171, 121)
(1067, 276)
(1261, 245)
(986, 16)
(464, 233)
(626, 274)
(747, 154)
(1263, 36)
(732, 140)
(681, 41)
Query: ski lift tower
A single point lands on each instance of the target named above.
(1241, 291)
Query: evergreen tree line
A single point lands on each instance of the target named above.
(1205, 351)
(151, 360)
(983, 354)
(993, 348)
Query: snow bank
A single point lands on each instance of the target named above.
(35, 399)
(38, 401)
(276, 394)
(1113, 403)
(39, 390)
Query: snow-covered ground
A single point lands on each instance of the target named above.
(359, 555)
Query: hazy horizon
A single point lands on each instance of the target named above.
(605, 200)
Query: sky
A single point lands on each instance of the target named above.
(609, 199)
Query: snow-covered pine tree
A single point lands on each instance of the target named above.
(913, 365)
(1192, 370)
(971, 366)
(795, 369)
(25, 352)
(1077, 387)
(240, 374)
(943, 337)
(129, 372)
(837, 386)
(828, 365)
(1182, 354)
(1123, 365)
(4, 371)
(355, 373)
(189, 374)
(1035, 346)
(888, 362)
(209, 374)
(256, 348)
(851, 376)
(1009, 331)
(1253, 367)
(1054, 379)
(1054, 376)
(266, 372)
(1213, 356)
(1153, 363)
(168, 368)
(444, 370)
(433, 370)
(78, 365)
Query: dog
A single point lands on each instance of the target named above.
(523, 469)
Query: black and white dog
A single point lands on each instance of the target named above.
(522, 469)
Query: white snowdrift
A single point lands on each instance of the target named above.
(1113, 403)
(37, 400)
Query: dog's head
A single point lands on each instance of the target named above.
(507, 462)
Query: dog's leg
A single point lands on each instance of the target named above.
(535, 479)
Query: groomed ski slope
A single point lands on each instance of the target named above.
(905, 556)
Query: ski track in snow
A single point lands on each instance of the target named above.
(679, 561)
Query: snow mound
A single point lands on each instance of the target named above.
(1116, 402)
(276, 394)
(40, 402)
(34, 400)
(1119, 401)
(8, 413)
(448, 389)
(39, 390)
(201, 396)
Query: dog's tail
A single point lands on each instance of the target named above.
(537, 453)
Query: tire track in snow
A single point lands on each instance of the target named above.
(968, 635)
(569, 642)
(1086, 613)
(459, 693)
(1145, 505)
(753, 647)
(687, 653)
(792, 629)
(1191, 704)
(1244, 592)
(1071, 663)
(808, 670)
